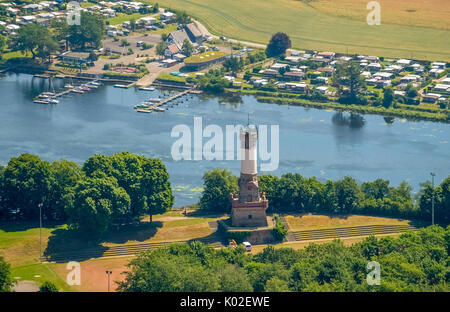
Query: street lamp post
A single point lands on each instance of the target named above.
(432, 198)
(108, 272)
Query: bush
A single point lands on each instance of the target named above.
(48, 287)
(279, 232)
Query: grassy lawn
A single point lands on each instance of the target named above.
(310, 221)
(323, 25)
(169, 77)
(122, 17)
(9, 55)
(40, 273)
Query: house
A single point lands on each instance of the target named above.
(26, 19)
(179, 57)
(167, 16)
(177, 38)
(442, 88)
(171, 50)
(398, 93)
(446, 81)
(302, 87)
(431, 97)
(108, 13)
(322, 80)
(297, 53)
(111, 33)
(292, 75)
(438, 65)
(194, 33)
(322, 89)
(12, 28)
(394, 69)
(169, 62)
(77, 58)
(278, 66)
(292, 59)
(436, 72)
(33, 7)
(383, 76)
(403, 62)
(327, 55)
(271, 72)
(410, 78)
(327, 71)
(13, 11)
(147, 20)
(374, 67)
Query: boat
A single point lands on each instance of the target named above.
(154, 100)
(91, 86)
(77, 90)
(84, 88)
(40, 101)
(120, 86)
(142, 105)
(53, 101)
(147, 89)
(48, 93)
(144, 110)
(69, 86)
(95, 83)
(158, 109)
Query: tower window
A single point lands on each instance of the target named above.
(249, 216)
(247, 139)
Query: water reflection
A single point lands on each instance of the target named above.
(353, 120)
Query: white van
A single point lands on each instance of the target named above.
(248, 246)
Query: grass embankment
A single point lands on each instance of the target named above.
(325, 26)
(403, 111)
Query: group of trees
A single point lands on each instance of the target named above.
(105, 191)
(295, 193)
(41, 41)
(416, 261)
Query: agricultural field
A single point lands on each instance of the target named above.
(419, 30)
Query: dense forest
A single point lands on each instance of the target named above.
(416, 261)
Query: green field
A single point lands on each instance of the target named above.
(311, 27)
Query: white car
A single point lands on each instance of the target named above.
(248, 246)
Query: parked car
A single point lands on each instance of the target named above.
(248, 246)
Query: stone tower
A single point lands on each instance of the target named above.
(249, 206)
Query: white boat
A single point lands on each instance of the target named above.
(53, 101)
(154, 100)
(43, 96)
(69, 86)
(147, 89)
(77, 90)
(158, 109)
(142, 105)
(94, 83)
(120, 86)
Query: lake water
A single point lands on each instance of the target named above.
(312, 142)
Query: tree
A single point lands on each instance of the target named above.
(233, 64)
(26, 184)
(348, 77)
(48, 287)
(88, 33)
(99, 202)
(388, 97)
(187, 48)
(132, 24)
(182, 18)
(65, 176)
(36, 39)
(347, 194)
(2, 42)
(155, 186)
(278, 45)
(218, 184)
(6, 280)
(161, 48)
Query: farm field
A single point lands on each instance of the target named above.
(322, 25)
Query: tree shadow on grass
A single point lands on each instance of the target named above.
(66, 245)
(20, 226)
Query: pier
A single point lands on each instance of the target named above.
(156, 105)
